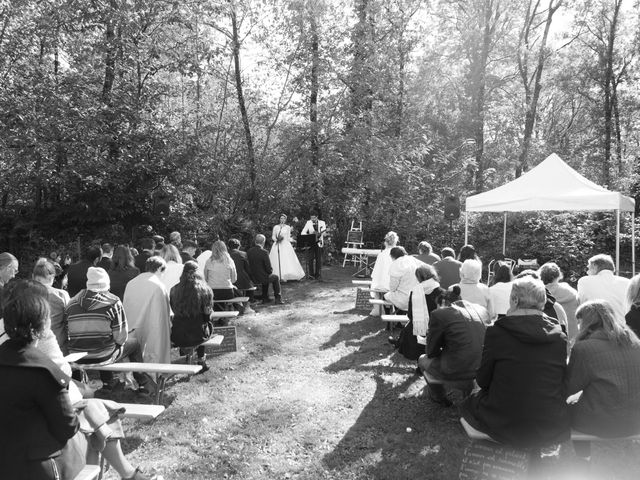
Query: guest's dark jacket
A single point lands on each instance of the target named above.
(105, 263)
(633, 319)
(36, 417)
(242, 268)
(448, 271)
(186, 257)
(455, 337)
(523, 398)
(119, 280)
(259, 265)
(140, 260)
(609, 376)
(77, 276)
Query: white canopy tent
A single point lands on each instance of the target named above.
(553, 185)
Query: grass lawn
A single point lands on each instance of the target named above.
(316, 392)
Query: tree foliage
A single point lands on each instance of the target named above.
(369, 109)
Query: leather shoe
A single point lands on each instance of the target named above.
(393, 341)
(279, 301)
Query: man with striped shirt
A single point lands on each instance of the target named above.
(97, 324)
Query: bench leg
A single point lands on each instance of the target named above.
(161, 384)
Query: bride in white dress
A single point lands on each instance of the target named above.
(287, 267)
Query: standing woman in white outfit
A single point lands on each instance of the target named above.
(286, 266)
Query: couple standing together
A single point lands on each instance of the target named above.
(283, 256)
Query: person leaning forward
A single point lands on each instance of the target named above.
(262, 272)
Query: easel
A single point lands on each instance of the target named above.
(354, 240)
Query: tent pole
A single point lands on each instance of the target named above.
(466, 228)
(504, 235)
(633, 243)
(618, 241)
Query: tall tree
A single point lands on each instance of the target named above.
(532, 78)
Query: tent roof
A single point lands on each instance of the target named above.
(551, 185)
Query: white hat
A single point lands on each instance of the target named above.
(98, 280)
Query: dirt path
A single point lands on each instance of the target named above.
(314, 392)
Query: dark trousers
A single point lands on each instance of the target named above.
(314, 261)
(274, 280)
(131, 349)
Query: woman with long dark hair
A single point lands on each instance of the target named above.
(192, 303)
(123, 269)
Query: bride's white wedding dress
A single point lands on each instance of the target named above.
(289, 267)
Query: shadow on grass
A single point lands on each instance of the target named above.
(378, 445)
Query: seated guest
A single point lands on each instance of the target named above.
(122, 271)
(188, 251)
(241, 261)
(471, 289)
(448, 268)
(425, 254)
(96, 323)
(603, 367)
(551, 308)
(105, 260)
(171, 255)
(77, 272)
(192, 303)
(175, 239)
(220, 272)
(500, 289)
(146, 304)
(562, 293)
(633, 301)
(468, 252)
(148, 247)
(601, 284)
(37, 416)
(159, 240)
(45, 273)
(522, 398)
(422, 301)
(380, 272)
(402, 278)
(262, 271)
(454, 343)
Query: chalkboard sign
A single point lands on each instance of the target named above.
(354, 236)
(228, 344)
(362, 299)
(486, 460)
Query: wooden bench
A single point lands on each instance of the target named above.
(141, 411)
(362, 282)
(224, 314)
(228, 304)
(474, 434)
(391, 319)
(214, 340)
(164, 371)
(89, 472)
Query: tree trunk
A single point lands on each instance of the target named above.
(608, 81)
(252, 197)
(313, 94)
(532, 94)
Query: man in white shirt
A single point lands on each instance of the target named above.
(314, 258)
(601, 283)
(402, 278)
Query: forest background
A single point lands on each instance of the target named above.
(234, 111)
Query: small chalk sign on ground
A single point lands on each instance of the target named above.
(362, 299)
(229, 343)
(485, 460)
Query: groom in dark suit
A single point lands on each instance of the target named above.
(262, 272)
